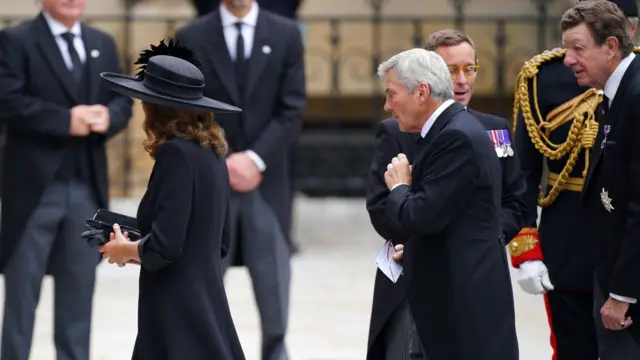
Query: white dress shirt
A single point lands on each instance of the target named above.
(427, 126)
(57, 29)
(248, 29)
(610, 90)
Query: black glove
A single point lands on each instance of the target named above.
(94, 237)
(98, 230)
(98, 233)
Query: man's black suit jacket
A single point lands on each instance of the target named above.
(35, 103)
(274, 100)
(457, 275)
(615, 235)
(286, 8)
(390, 141)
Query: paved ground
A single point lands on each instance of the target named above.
(331, 294)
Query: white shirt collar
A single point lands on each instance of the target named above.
(612, 84)
(228, 19)
(427, 126)
(57, 28)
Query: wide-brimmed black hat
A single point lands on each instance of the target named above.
(169, 76)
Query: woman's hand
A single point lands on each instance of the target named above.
(119, 248)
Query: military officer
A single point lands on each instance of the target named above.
(556, 126)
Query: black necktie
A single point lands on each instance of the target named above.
(239, 64)
(76, 70)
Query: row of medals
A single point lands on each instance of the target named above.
(504, 150)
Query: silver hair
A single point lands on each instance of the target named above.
(417, 66)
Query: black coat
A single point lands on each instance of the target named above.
(390, 141)
(183, 312)
(35, 98)
(274, 100)
(457, 275)
(615, 235)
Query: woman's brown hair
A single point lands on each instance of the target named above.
(162, 123)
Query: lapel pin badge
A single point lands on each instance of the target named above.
(266, 49)
(95, 53)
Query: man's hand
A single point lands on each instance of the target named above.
(79, 125)
(85, 119)
(533, 277)
(614, 313)
(99, 119)
(398, 172)
(399, 255)
(244, 174)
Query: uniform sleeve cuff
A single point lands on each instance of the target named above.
(525, 246)
(257, 159)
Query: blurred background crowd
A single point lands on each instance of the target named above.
(333, 270)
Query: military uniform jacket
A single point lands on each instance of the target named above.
(554, 165)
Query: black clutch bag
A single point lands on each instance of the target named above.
(99, 228)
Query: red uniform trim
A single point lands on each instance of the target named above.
(525, 247)
(552, 336)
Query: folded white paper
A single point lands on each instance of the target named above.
(391, 268)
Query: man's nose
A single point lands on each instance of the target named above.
(460, 78)
(569, 60)
(387, 106)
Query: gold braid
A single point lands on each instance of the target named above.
(580, 109)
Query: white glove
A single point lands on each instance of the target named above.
(533, 277)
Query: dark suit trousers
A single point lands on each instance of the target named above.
(401, 336)
(256, 232)
(613, 345)
(52, 237)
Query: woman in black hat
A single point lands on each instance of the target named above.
(183, 311)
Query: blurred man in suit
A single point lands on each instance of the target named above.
(247, 51)
(600, 54)
(58, 120)
(449, 201)
(392, 333)
(286, 8)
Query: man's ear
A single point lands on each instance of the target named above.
(613, 46)
(424, 91)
